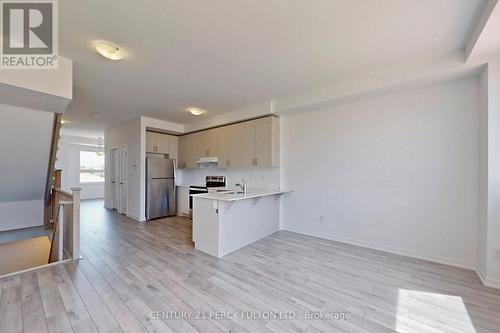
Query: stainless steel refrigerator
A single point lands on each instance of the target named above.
(160, 187)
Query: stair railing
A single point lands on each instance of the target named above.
(66, 235)
(49, 182)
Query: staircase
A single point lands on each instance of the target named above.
(39, 222)
(24, 248)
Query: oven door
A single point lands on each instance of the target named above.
(195, 191)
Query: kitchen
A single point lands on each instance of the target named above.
(217, 169)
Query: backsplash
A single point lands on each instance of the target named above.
(255, 178)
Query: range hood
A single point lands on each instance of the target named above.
(207, 160)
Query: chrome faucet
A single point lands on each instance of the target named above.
(243, 186)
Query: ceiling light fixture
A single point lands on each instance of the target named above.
(109, 50)
(94, 115)
(196, 111)
(100, 147)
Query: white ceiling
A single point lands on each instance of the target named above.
(223, 55)
(487, 42)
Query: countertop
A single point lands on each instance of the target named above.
(251, 193)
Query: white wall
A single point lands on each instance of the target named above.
(397, 173)
(68, 160)
(24, 149)
(255, 178)
(21, 214)
(482, 227)
(132, 133)
(127, 133)
(493, 162)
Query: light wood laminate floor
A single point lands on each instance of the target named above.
(130, 270)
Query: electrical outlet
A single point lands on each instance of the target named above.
(321, 219)
(497, 254)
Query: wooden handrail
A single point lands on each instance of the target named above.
(50, 211)
(54, 234)
(58, 190)
(56, 128)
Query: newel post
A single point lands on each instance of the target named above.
(76, 222)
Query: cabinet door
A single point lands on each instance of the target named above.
(264, 147)
(162, 141)
(182, 161)
(197, 147)
(173, 149)
(182, 201)
(223, 148)
(150, 142)
(247, 145)
(229, 140)
(192, 154)
(210, 143)
(205, 144)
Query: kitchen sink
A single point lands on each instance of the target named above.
(229, 192)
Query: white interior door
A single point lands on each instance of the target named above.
(123, 158)
(115, 177)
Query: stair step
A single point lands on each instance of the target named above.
(25, 233)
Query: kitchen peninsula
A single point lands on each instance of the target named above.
(227, 221)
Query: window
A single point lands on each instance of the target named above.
(91, 167)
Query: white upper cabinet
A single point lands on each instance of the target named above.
(248, 144)
(173, 149)
(210, 143)
(187, 155)
(162, 144)
(150, 142)
(229, 147)
(267, 142)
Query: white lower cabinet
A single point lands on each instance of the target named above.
(221, 227)
(182, 201)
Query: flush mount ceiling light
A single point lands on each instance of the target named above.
(195, 111)
(109, 50)
(94, 115)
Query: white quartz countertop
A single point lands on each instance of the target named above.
(251, 193)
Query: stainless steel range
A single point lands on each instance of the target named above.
(211, 182)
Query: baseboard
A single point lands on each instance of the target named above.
(133, 217)
(481, 275)
(491, 283)
(384, 248)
